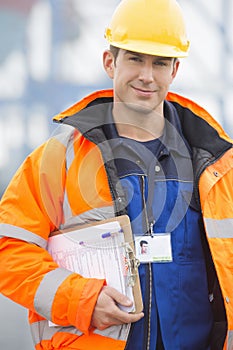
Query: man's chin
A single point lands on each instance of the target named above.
(139, 108)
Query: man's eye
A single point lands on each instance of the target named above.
(161, 63)
(135, 59)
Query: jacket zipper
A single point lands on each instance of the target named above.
(149, 228)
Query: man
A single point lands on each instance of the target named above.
(144, 247)
(141, 151)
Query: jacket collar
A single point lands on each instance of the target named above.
(172, 140)
(198, 127)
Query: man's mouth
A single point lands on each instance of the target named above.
(143, 92)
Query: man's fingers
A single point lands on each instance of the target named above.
(121, 299)
(118, 297)
(120, 317)
(107, 312)
(125, 317)
(110, 321)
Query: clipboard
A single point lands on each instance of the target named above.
(131, 263)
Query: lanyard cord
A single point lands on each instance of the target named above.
(150, 196)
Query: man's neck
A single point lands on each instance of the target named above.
(138, 126)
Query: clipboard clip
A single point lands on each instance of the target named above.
(132, 264)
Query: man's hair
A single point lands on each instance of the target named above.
(143, 242)
(114, 50)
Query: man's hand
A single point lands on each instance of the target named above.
(107, 313)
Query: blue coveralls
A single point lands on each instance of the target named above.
(157, 178)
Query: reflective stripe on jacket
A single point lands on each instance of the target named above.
(52, 190)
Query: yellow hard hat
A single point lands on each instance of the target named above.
(153, 27)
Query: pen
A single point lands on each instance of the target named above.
(106, 235)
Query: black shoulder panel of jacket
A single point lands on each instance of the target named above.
(201, 134)
(91, 119)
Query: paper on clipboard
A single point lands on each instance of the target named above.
(102, 250)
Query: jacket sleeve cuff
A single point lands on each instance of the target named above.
(87, 302)
(83, 303)
(75, 301)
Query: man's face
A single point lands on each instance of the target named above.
(144, 248)
(140, 81)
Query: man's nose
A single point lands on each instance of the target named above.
(146, 73)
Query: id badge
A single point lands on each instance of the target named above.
(156, 248)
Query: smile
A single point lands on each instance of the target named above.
(143, 92)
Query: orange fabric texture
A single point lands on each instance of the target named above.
(214, 188)
(88, 164)
(64, 341)
(39, 191)
(216, 196)
(70, 299)
(24, 267)
(70, 295)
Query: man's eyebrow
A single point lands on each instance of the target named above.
(159, 58)
(127, 52)
(163, 58)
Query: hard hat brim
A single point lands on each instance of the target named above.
(151, 48)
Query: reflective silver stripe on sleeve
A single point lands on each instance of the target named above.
(115, 332)
(63, 133)
(219, 228)
(46, 291)
(66, 208)
(230, 340)
(12, 231)
(41, 331)
(89, 216)
(69, 159)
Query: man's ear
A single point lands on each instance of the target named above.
(175, 68)
(109, 63)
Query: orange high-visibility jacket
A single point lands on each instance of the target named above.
(65, 182)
